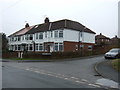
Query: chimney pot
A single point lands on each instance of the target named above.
(46, 20)
(27, 25)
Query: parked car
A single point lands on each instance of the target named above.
(113, 53)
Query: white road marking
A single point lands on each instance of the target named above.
(37, 71)
(112, 86)
(94, 85)
(57, 75)
(74, 78)
(79, 82)
(99, 83)
(27, 69)
(84, 80)
(66, 78)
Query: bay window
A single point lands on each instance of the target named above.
(58, 47)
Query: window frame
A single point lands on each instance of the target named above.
(61, 33)
(40, 35)
(56, 34)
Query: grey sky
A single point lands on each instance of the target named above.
(100, 16)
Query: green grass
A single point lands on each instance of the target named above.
(116, 64)
(27, 59)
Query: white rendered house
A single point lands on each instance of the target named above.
(58, 36)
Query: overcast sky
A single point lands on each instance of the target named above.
(101, 16)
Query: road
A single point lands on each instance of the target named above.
(18, 78)
(78, 73)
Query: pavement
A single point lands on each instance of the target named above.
(48, 60)
(105, 69)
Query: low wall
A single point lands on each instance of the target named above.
(57, 55)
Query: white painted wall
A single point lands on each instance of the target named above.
(88, 37)
(68, 35)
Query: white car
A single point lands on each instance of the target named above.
(113, 53)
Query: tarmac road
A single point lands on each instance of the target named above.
(78, 71)
(19, 78)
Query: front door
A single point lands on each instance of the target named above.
(49, 47)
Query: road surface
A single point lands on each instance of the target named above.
(77, 73)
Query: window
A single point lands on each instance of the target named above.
(51, 33)
(22, 37)
(89, 47)
(30, 47)
(15, 47)
(60, 46)
(56, 34)
(60, 34)
(36, 35)
(26, 37)
(30, 37)
(36, 47)
(19, 47)
(27, 47)
(12, 47)
(41, 35)
(19, 38)
(12, 38)
(56, 46)
(45, 34)
(81, 46)
(40, 47)
(15, 39)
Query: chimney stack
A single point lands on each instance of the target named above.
(27, 25)
(115, 36)
(46, 20)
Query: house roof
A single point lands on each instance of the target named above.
(115, 38)
(61, 24)
(21, 32)
(101, 36)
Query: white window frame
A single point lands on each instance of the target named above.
(56, 34)
(40, 34)
(45, 34)
(51, 34)
(42, 47)
(37, 36)
(36, 47)
(61, 32)
(58, 47)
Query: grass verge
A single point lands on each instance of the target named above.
(116, 64)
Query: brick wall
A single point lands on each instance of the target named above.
(73, 46)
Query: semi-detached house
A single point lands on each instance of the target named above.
(58, 36)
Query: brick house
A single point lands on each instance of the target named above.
(115, 40)
(102, 40)
(58, 36)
